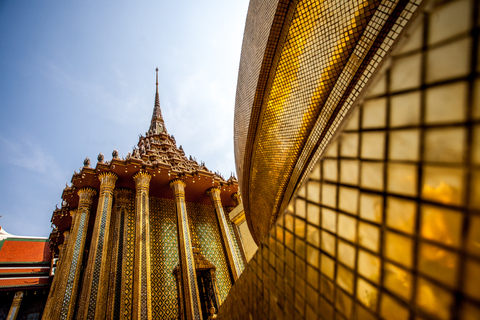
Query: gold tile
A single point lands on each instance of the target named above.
(442, 225)
(373, 145)
(404, 145)
(374, 113)
(433, 299)
(405, 109)
(349, 171)
(329, 195)
(471, 281)
(398, 248)
(368, 236)
(443, 184)
(346, 253)
(329, 220)
(349, 145)
(454, 59)
(473, 238)
(313, 214)
(372, 175)
(367, 294)
(328, 243)
(391, 309)
(405, 73)
(449, 20)
(438, 263)
(313, 193)
(371, 207)
(348, 199)
(313, 235)
(347, 227)
(401, 214)
(445, 145)
(330, 170)
(327, 266)
(402, 179)
(446, 103)
(345, 279)
(300, 209)
(397, 280)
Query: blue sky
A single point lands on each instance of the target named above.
(77, 78)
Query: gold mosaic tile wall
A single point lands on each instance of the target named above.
(203, 219)
(326, 54)
(164, 257)
(387, 223)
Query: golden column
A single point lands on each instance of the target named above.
(95, 284)
(233, 259)
(62, 248)
(187, 263)
(61, 273)
(116, 287)
(17, 300)
(71, 265)
(142, 297)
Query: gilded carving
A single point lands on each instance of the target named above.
(86, 197)
(142, 181)
(178, 187)
(237, 198)
(107, 182)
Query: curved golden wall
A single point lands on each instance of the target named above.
(303, 66)
(386, 225)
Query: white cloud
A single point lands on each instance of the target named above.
(26, 152)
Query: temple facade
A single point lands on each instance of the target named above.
(146, 236)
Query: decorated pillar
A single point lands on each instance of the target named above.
(60, 271)
(117, 290)
(191, 305)
(17, 300)
(61, 253)
(234, 225)
(95, 284)
(66, 295)
(233, 259)
(142, 301)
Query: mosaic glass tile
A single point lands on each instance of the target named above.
(406, 244)
(164, 257)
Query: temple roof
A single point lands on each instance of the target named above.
(24, 261)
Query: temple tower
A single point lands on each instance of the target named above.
(148, 237)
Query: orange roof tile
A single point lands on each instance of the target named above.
(24, 250)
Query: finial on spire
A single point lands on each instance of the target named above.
(157, 78)
(157, 125)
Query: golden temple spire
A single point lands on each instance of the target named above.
(157, 124)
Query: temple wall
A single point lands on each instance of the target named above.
(387, 223)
